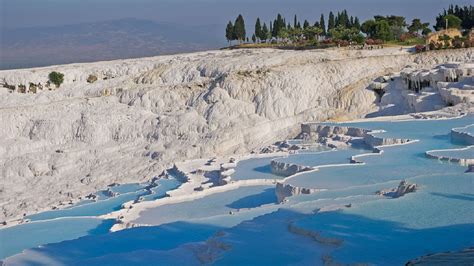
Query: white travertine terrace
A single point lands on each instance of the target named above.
(142, 115)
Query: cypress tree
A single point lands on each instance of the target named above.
(229, 32)
(254, 38)
(295, 22)
(258, 29)
(264, 35)
(331, 22)
(239, 28)
(322, 24)
(347, 22)
(305, 24)
(356, 23)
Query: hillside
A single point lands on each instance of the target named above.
(144, 114)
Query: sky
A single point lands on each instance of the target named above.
(29, 13)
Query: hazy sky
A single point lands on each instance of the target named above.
(26, 13)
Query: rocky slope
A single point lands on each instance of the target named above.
(143, 114)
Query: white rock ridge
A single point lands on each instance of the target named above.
(143, 114)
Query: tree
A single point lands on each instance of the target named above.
(396, 25)
(331, 22)
(258, 29)
(229, 32)
(466, 14)
(356, 23)
(239, 29)
(382, 31)
(312, 33)
(368, 27)
(295, 33)
(283, 34)
(347, 34)
(426, 31)
(378, 29)
(305, 24)
(453, 21)
(265, 33)
(278, 24)
(295, 21)
(322, 24)
(56, 78)
(415, 26)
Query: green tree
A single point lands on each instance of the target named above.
(351, 35)
(295, 21)
(283, 34)
(426, 31)
(265, 33)
(312, 33)
(278, 24)
(382, 31)
(56, 78)
(305, 24)
(415, 26)
(356, 23)
(453, 21)
(466, 14)
(229, 32)
(368, 27)
(331, 22)
(239, 29)
(322, 24)
(258, 29)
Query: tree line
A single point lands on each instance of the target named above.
(342, 26)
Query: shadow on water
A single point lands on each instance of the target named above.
(382, 242)
(264, 240)
(102, 228)
(75, 252)
(464, 196)
(442, 137)
(263, 169)
(266, 197)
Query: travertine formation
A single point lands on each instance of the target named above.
(422, 90)
(403, 188)
(142, 115)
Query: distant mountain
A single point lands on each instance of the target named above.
(115, 39)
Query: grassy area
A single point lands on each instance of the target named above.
(408, 42)
(293, 46)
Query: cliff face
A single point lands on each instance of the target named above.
(143, 114)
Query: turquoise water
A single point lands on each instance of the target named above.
(244, 226)
(216, 204)
(255, 169)
(16, 239)
(340, 156)
(75, 221)
(107, 205)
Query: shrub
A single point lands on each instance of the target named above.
(420, 48)
(56, 78)
(91, 78)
